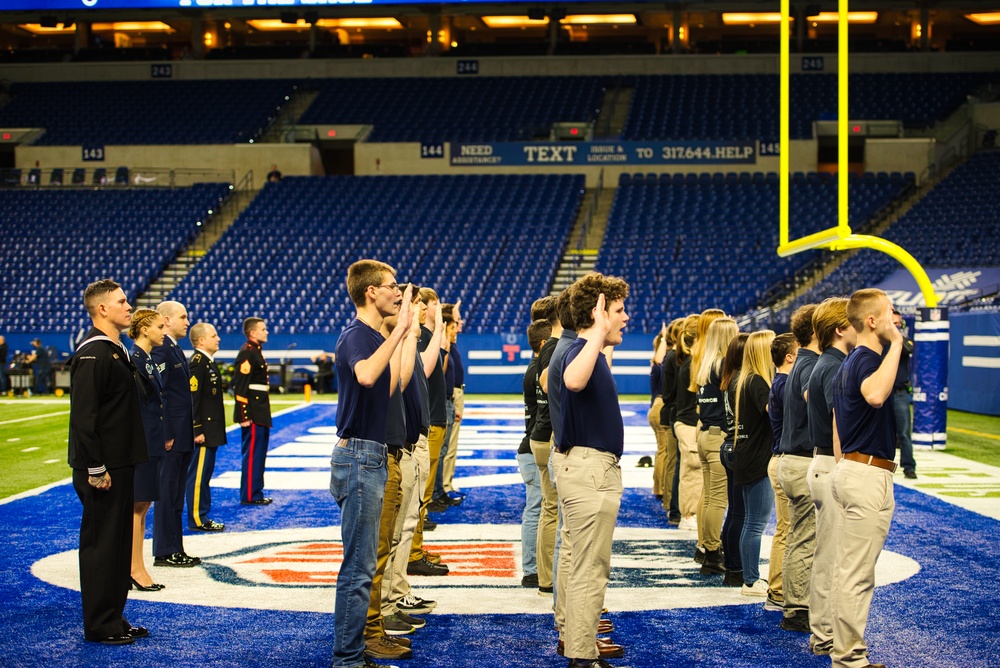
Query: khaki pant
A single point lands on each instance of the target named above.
(435, 439)
(394, 583)
(659, 461)
(387, 524)
(452, 453)
(590, 492)
(691, 482)
(422, 462)
(864, 498)
(775, 591)
(801, 542)
(562, 568)
(820, 479)
(715, 494)
(549, 518)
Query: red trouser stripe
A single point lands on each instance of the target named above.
(253, 438)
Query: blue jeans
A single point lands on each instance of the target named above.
(532, 509)
(758, 497)
(358, 475)
(449, 407)
(904, 429)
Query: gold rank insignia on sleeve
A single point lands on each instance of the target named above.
(194, 383)
(245, 367)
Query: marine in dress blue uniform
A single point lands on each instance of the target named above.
(253, 411)
(210, 425)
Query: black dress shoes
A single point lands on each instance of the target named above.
(119, 639)
(177, 560)
(152, 587)
(258, 502)
(137, 632)
(209, 525)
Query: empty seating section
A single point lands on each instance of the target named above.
(691, 242)
(456, 109)
(493, 241)
(102, 113)
(57, 242)
(440, 109)
(956, 225)
(693, 107)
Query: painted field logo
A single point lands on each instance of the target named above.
(316, 564)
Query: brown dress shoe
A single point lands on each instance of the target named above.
(605, 626)
(605, 649)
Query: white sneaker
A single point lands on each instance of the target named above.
(759, 588)
(688, 523)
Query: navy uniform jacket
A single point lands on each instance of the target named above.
(105, 426)
(151, 404)
(251, 386)
(173, 367)
(206, 395)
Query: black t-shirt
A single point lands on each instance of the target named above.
(710, 404)
(439, 412)
(669, 384)
(752, 452)
(821, 397)
(686, 402)
(530, 405)
(543, 422)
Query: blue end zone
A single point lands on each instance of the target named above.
(946, 614)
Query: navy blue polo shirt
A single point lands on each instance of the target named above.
(395, 428)
(361, 411)
(567, 337)
(776, 408)
(862, 427)
(591, 418)
(821, 397)
(449, 378)
(456, 361)
(795, 430)
(414, 407)
(655, 382)
(436, 389)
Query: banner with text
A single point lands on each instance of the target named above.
(952, 285)
(520, 154)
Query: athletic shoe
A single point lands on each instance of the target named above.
(733, 579)
(688, 523)
(758, 588)
(415, 622)
(772, 605)
(385, 647)
(797, 621)
(424, 567)
(413, 605)
(394, 626)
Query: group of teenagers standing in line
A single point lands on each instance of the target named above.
(144, 428)
(804, 424)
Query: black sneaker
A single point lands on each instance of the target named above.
(394, 626)
(797, 621)
(415, 622)
(733, 579)
(424, 567)
(414, 605)
(530, 580)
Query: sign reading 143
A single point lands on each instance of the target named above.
(93, 153)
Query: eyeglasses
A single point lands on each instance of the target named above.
(391, 286)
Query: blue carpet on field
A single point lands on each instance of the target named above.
(264, 594)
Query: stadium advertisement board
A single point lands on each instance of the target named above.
(547, 154)
(952, 285)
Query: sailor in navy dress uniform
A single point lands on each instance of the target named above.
(168, 511)
(151, 406)
(253, 411)
(209, 426)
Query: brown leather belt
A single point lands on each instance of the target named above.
(871, 460)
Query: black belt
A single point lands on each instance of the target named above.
(823, 451)
(800, 453)
(424, 431)
(409, 447)
(395, 450)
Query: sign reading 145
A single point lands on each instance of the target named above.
(432, 150)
